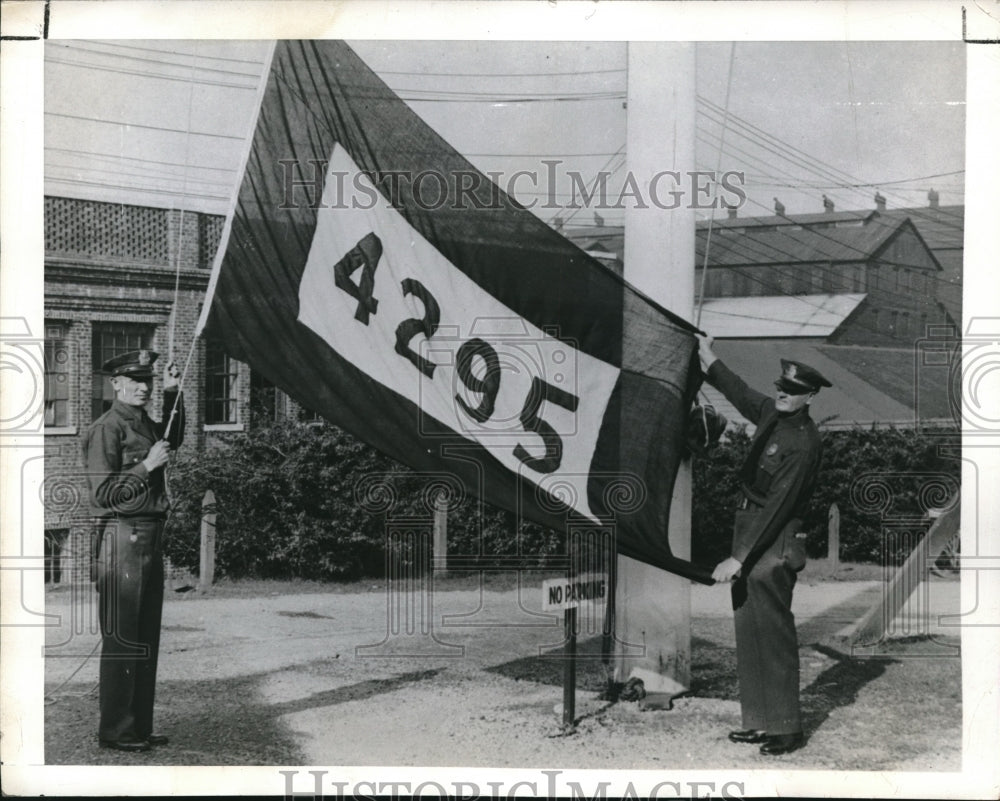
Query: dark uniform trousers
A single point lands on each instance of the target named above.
(130, 587)
(767, 651)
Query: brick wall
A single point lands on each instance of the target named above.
(112, 263)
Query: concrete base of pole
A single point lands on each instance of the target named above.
(653, 611)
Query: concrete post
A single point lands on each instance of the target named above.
(652, 607)
(833, 538)
(206, 564)
(440, 537)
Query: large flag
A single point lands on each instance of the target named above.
(377, 277)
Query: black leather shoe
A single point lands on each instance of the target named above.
(130, 746)
(748, 736)
(157, 739)
(782, 744)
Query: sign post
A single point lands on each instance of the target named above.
(568, 594)
(569, 672)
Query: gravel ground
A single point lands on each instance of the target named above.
(274, 675)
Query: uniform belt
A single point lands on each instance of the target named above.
(142, 518)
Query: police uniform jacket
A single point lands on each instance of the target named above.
(114, 448)
(780, 472)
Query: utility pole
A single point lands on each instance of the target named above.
(653, 607)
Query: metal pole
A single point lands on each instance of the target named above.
(569, 672)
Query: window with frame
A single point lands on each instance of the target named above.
(57, 375)
(221, 373)
(267, 402)
(110, 340)
(859, 278)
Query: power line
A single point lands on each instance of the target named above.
(827, 171)
(505, 75)
(115, 157)
(160, 62)
(128, 174)
(179, 53)
(800, 163)
(945, 214)
(140, 189)
(145, 127)
(141, 74)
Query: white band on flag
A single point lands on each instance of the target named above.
(374, 288)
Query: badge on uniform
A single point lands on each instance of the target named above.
(772, 449)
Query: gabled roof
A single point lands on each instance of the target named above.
(791, 245)
(738, 245)
(942, 228)
(817, 218)
(854, 398)
(777, 315)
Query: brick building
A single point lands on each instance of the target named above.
(119, 278)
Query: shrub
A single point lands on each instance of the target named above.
(868, 473)
(288, 503)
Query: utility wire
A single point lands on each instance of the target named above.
(158, 61)
(116, 157)
(145, 127)
(823, 169)
(142, 74)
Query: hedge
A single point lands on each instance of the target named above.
(883, 481)
(311, 501)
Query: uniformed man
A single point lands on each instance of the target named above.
(126, 453)
(767, 551)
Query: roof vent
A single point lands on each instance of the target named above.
(879, 202)
(779, 209)
(932, 196)
(827, 204)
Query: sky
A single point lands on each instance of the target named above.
(164, 122)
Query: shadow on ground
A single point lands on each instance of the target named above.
(209, 723)
(592, 673)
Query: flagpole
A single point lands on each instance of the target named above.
(234, 197)
(652, 607)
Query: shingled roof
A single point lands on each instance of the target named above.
(750, 243)
(870, 385)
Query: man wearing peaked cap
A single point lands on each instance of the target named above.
(126, 451)
(798, 378)
(777, 479)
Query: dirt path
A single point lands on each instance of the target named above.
(360, 678)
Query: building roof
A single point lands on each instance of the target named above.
(746, 244)
(777, 315)
(864, 390)
(817, 218)
(942, 227)
(792, 244)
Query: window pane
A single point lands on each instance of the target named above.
(57, 375)
(220, 386)
(110, 340)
